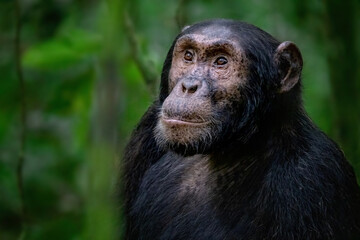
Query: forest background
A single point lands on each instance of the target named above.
(76, 76)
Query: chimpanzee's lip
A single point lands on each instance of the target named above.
(176, 121)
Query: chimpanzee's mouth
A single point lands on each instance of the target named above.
(178, 121)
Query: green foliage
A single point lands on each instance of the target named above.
(63, 51)
(71, 48)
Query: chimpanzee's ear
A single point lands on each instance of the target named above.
(289, 63)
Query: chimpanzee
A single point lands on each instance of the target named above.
(227, 150)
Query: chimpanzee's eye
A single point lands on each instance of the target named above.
(221, 61)
(188, 56)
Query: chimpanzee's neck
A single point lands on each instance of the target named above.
(285, 127)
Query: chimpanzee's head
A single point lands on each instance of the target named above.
(220, 79)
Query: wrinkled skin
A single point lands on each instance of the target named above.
(227, 150)
(202, 89)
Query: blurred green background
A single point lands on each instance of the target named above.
(76, 76)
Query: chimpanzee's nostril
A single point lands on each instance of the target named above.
(189, 87)
(183, 88)
(192, 89)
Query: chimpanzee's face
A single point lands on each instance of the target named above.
(207, 72)
(224, 76)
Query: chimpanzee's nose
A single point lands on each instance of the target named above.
(190, 86)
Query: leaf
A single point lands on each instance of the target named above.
(63, 51)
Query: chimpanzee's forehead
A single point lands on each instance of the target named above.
(244, 34)
(210, 34)
(213, 30)
(206, 41)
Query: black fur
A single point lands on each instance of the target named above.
(272, 174)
